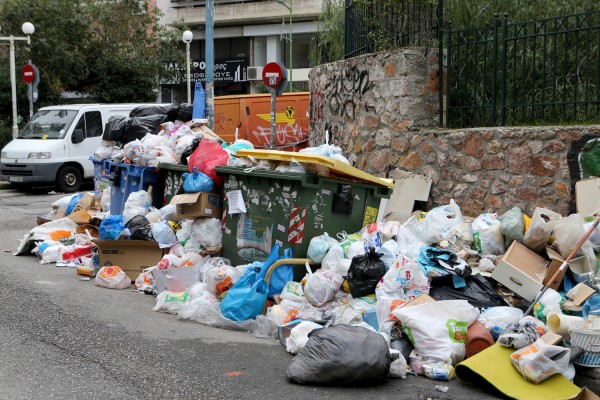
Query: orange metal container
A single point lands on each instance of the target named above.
(251, 114)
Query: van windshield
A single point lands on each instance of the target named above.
(48, 124)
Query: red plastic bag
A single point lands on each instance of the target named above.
(206, 157)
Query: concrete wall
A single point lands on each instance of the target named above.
(382, 110)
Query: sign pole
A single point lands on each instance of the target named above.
(273, 116)
(30, 91)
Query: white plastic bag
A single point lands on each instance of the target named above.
(170, 302)
(321, 286)
(103, 151)
(299, 336)
(398, 365)
(345, 315)
(220, 279)
(440, 221)
(404, 280)
(539, 361)
(319, 246)
(540, 229)
(112, 277)
(495, 319)
(409, 244)
(138, 203)
(356, 249)
(207, 313)
(333, 258)
(438, 329)
(208, 232)
(390, 251)
(487, 234)
(163, 233)
(293, 291)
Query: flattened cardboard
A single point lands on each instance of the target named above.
(420, 299)
(87, 202)
(408, 188)
(193, 205)
(587, 192)
(580, 293)
(133, 256)
(80, 217)
(521, 270)
(552, 338)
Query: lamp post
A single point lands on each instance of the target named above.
(187, 37)
(28, 30)
(289, 8)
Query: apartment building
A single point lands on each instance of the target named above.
(247, 35)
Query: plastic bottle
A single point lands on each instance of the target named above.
(438, 371)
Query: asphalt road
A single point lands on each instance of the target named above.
(63, 338)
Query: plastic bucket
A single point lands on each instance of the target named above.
(589, 341)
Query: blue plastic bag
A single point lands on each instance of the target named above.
(111, 227)
(281, 275)
(196, 182)
(246, 298)
(73, 202)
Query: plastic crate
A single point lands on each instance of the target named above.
(173, 174)
(290, 209)
(128, 178)
(589, 341)
(102, 178)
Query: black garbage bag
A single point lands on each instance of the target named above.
(115, 127)
(188, 152)
(140, 228)
(342, 355)
(168, 111)
(479, 292)
(138, 127)
(365, 272)
(184, 112)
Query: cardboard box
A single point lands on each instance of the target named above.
(580, 266)
(87, 202)
(133, 256)
(522, 271)
(193, 205)
(580, 293)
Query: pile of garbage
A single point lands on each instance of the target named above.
(419, 296)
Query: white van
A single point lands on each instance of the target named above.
(56, 145)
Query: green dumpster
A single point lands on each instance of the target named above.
(290, 209)
(173, 179)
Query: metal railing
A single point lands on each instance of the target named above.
(378, 25)
(521, 73)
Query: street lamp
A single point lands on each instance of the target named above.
(27, 29)
(187, 37)
(289, 8)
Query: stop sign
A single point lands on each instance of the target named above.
(28, 73)
(273, 74)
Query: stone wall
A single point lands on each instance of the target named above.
(382, 113)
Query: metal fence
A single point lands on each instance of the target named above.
(373, 26)
(545, 71)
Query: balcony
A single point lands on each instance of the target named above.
(228, 13)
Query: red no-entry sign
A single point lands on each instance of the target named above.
(273, 73)
(28, 73)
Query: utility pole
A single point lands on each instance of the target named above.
(210, 65)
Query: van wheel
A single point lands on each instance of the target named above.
(69, 179)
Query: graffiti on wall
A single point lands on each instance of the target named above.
(347, 90)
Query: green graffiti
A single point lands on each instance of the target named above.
(589, 159)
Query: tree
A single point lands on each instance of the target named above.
(330, 36)
(111, 50)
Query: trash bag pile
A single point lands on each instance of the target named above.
(417, 297)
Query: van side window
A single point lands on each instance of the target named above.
(91, 124)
